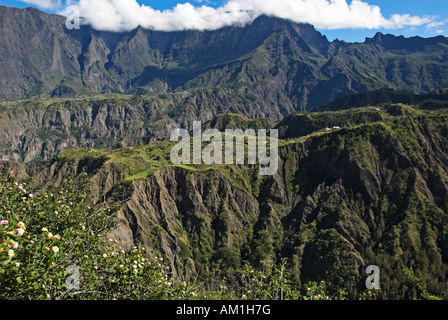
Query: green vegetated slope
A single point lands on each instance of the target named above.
(433, 100)
(373, 192)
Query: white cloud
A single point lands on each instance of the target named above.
(436, 24)
(44, 4)
(124, 15)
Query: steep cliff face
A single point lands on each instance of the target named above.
(339, 203)
(41, 133)
(191, 217)
(39, 130)
(371, 194)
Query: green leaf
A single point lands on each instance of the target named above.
(6, 262)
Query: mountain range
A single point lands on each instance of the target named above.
(288, 66)
(363, 144)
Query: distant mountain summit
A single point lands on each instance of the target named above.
(288, 66)
(391, 42)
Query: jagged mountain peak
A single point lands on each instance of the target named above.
(416, 43)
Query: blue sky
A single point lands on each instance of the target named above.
(438, 8)
(434, 11)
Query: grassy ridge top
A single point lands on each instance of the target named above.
(139, 161)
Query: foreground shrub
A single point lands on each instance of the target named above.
(53, 245)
